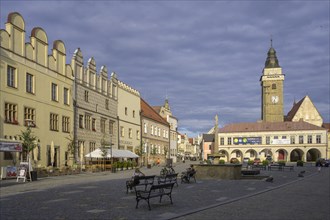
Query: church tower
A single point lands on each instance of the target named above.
(272, 81)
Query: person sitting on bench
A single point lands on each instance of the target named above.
(135, 178)
(190, 171)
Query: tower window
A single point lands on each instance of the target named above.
(273, 86)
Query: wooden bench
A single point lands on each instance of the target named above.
(185, 177)
(159, 190)
(144, 181)
(169, 178)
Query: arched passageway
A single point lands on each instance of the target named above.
(296, 155)
(313, 154)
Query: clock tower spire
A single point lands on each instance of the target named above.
(272, 81)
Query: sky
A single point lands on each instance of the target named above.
(206, 57)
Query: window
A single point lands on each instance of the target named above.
(81, 121)
(93, 124)
(53, 122)
(318, 139)
(11, 113)
(130, 133)
(222, 141)
(301, 139)
(158, 132)
(122, 131)
(66, 96)
(107, 104)
(152, 129)
(283, 137)
(292, 139)
(125, 110)
(11, 77)
(54, 92)
(29, 83)
(86, 96)
(65, 124)
(267, 140)
(137, 135)
(133, 114)
(155, 131)
(229, 141)
(102, 125)
(92, 146)
(273, 86)
(145, 128)
(88, 122)
(275, 137)
(309, 139)
(29, 117)
(8, 156)
(210, 147)
(111, 127)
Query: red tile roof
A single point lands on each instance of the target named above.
(269, 126)
(148, 112)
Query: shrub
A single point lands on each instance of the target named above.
(250, 162)
(221, 161)
(300, 163)
(265, 162)
(281, 162)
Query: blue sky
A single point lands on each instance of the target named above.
(205, 56)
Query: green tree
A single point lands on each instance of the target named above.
(29, 142)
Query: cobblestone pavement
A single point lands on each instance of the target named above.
(103, 196)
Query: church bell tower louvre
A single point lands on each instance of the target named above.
(272, 81)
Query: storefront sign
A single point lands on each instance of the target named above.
(247, 140)
(11, 146)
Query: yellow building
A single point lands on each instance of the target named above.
(129, 117)
(36, 91)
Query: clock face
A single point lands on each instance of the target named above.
(275, 99)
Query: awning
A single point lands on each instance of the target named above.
(115, 152)
(10, 146)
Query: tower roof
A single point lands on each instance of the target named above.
(271, 61)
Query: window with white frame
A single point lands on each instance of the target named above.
(29, 83)
(11, 113)
(145, 128)
(81, 121)
(54, 92)
(301, 139)
(130, 133)
(138, 135)
(229, 140)
(66, 124)
(152, 129)
(158, 132)
(93, 124)
(11, 77)
(318, 139)
(88, 121)
(309, 139)
(29, 117)
(66, 96)
(292, 139)
(53, 122)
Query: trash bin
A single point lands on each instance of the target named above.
(34, 175)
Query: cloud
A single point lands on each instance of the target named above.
(207, 57)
